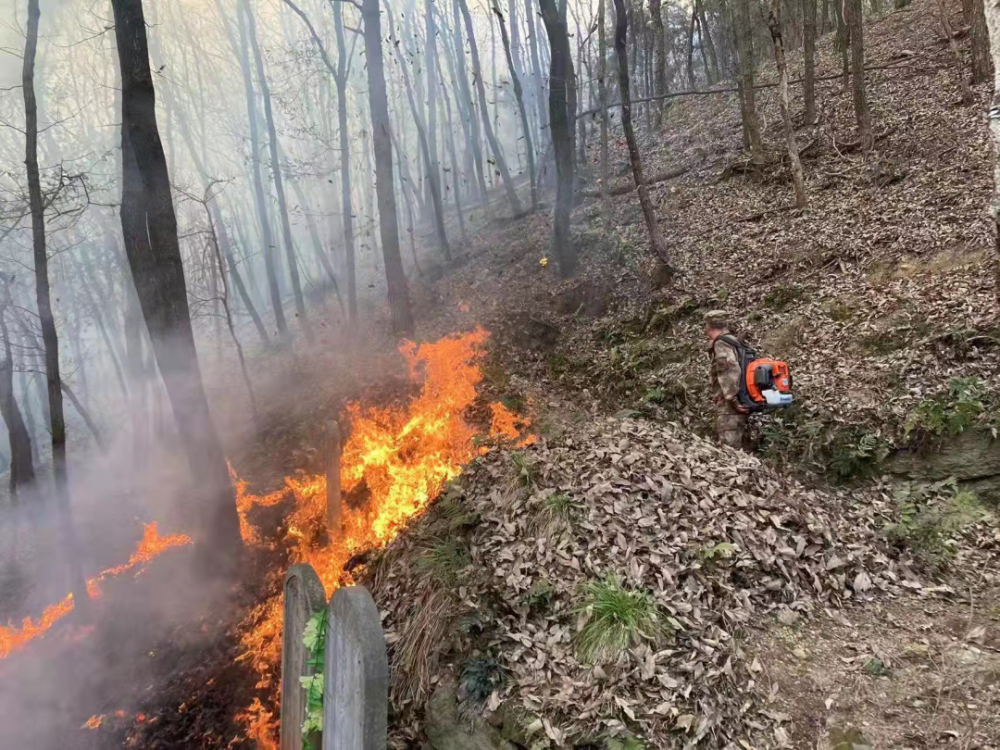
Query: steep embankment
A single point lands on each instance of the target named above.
(758, 611)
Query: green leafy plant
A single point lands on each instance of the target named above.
(539, 596)
(314, 639)
(929, 516)
(875, 667)
(783, 295)
(714, 553)
(527, 471)
(619, 618)
(628, 742)
(855, 452)
(964, 405)
(481, 675)
(443, 561)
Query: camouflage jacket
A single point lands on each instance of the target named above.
(726, 371)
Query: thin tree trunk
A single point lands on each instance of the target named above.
(430, 65)
(706, 36)
(843, 41)
(50, 338)
(949, 32)
(234, 272)
(272, 143)
(501, 162)
(456, 188)
(809, 55)
(269, 249)
(465, 101)
(774, 24)
(519, 96)
(536, 68)
(22, 465)
(655, 241)
(982, 63)
(559, 74)
(159, 279)
(992, 18)
(748, 109)
(87, 419)
(399, 296)
(660, 74)
(434, 175)
(690, 48)
(862, 114)
(343, 125)
(602, 96)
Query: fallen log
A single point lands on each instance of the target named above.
(630, 186)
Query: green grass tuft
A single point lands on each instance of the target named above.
(620, 618)
(444, 560)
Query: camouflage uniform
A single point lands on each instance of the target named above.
(726, 374)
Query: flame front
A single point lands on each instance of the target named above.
(394, 463)
(152, 544)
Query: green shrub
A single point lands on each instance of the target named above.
(783, 295)
(539, 596)
(620, 618)
(853, 452)
(481, 675)
(929, 516)
(965, 405)
(527, 470)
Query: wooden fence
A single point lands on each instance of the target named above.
(356, 670)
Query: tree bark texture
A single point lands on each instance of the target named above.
(982, 63)
(621, 49)
(501, 162)
(809, 57)
(399, 295)
(748, 109)
(852, 12)
(774, 24)
(159, 280)
(562, 143)
(50, 338)
(992, 17)
(519, 97)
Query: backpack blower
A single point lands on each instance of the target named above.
(766, 383)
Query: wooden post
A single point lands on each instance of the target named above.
(333, 499)
(356, 694)
(304, 597)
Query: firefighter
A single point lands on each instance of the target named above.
(731, 417)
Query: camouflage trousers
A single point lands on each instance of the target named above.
(730, 425)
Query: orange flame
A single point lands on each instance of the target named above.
(152, 544)
(93, 722)
(394, 463)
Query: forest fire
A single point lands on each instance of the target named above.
(394, 463)
(152, 544)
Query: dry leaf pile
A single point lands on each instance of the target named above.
(725, 545)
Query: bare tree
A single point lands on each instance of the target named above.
(745, 54)
(399, 295)
(992, 17)
(466, 106)
(519, 96)
(501, 162)
(22, 466)
(652, 226)
(347, 211)
(50, 338)
(276, 174)
(949, 32)
(852, 13)
(809, 57)
(602, 96)
(982, 63)
(660, 75)
(774, 24)
(562, 144)
(158, 273)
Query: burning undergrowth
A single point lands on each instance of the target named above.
(394, 462)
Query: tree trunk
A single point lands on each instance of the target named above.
(519, 96)
(660, 74)
(452, 156)
(559, 74)
(809, 54)
(50, 338)
(602, 96)
(501, 162)
(536, 68)
(158, 273)
(465, 101)
(270, 261)
(690, 50)
(992, 17)
(241, 289)
(748, 109)
(774, 24)
(433, 173)
(706, 36)
(949, 33)
(862, 114)
(621, 34)
(343, 125)
(843, 40)
(399, 296)
(430, 65)
(22, 465)
(982, 63)
(272, 143)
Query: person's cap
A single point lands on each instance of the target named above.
(717, 319)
